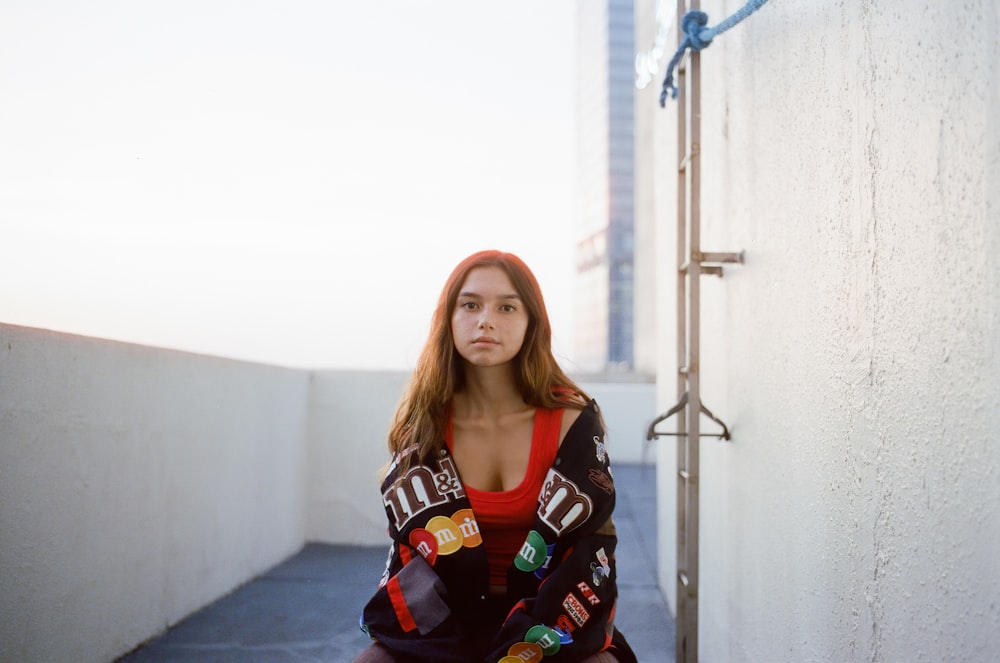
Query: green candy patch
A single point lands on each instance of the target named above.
(532, 554)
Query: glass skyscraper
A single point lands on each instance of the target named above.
(605, 223)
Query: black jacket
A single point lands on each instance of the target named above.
(432, 601)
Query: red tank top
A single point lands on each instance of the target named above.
(506, 517)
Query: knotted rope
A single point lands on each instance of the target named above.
(697, 37)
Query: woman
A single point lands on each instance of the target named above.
(499, 494)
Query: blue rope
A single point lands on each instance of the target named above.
(697, 37)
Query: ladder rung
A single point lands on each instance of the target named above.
(682, 577)
(704, 270)
(683, 474)
(714, 256)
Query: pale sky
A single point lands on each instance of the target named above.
(285, 181)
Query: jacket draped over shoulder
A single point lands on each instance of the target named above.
(562, 583)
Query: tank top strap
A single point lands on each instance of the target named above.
(545, 440)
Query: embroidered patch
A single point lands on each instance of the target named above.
(602, 449)
(602, 481)
(525, 652)
(598, 574)
(467, 525)
(425, 543)
(565, 635)
(588, 593)
(544, 637)
(575, 609)
(563, 505)
(420, 489)
(543, 571)
(602, 557)
(532, 554)
(601, 569)
(449, 537)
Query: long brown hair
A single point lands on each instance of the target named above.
(421, 418)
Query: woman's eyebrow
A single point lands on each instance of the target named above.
(476, 295)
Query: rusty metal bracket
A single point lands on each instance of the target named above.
(652, 433)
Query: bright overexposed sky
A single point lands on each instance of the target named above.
(285, 181)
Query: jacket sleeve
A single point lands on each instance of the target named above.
(410, 611)
(570, 599)
(572, 615)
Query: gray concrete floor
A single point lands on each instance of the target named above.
(307, 608)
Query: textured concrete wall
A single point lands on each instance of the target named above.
(853, 150)
(136, 485)
(349, 413)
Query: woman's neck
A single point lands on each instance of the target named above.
(489, 392)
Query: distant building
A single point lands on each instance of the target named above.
(605, 223)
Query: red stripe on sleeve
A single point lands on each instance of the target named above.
(520, 605)
(610, 626)
(403, 615)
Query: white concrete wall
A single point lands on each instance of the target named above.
(136, 485)
(349, 413)
(853, 150)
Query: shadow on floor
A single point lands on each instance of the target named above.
(307, 608)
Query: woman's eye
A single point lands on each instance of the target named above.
(507, 308)
(469, 306)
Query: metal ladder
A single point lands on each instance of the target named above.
(692, 263)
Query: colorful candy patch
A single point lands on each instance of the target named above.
(526, 652)
(426, 544)
(544, 637)
(532, 554)
(467, 525)
(449, 537)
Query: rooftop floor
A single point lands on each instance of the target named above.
(307, 608)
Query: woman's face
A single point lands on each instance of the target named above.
(490, 320)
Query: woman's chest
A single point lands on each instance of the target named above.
(493, 457)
